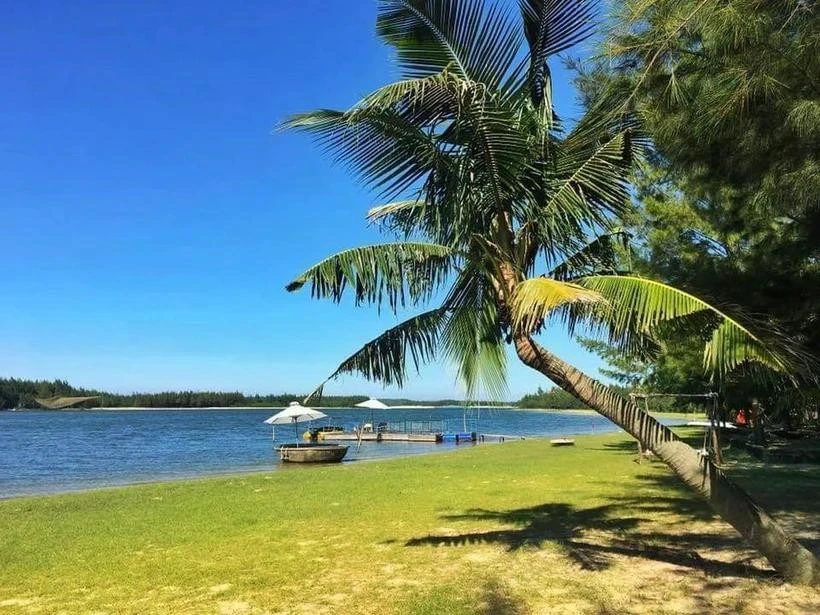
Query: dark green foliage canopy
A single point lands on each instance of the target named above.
(727, 204)
(20, 393)
(553, 399)
(730, 92)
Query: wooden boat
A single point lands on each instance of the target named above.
(312, 453)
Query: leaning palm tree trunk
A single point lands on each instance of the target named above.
(786, 555)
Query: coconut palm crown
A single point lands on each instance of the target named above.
(513, 220)
(485, 191)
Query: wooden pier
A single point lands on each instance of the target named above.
(386, 436)
(404, 436)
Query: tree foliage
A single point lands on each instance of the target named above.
(487, 189)
(726, 202)
(551, 399)
(21, 393)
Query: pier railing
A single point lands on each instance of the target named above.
(415, 427)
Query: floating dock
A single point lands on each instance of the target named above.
(386, 436)
(403, 436)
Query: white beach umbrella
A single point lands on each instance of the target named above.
(294, 413)
(373, 404)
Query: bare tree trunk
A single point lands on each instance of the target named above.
(793, 561)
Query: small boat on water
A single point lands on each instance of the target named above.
(312, 453)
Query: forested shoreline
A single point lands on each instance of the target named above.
(23, 394)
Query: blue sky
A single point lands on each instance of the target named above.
(150, 219)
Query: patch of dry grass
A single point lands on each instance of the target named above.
(518, 528)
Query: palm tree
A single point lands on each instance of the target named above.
(484, 191)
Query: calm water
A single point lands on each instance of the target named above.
(44, 452)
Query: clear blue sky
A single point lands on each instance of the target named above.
(149, 217)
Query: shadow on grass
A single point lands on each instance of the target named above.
(677, 498)
(785, 490)
(497, 600)
(565, 525)
(491, 598)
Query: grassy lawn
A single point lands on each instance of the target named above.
(510, 528)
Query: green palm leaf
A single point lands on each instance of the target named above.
(583, 189)
(592, 178)
(534, 300)
(387, 357)
(639, 306)
(480, 134)
(471, 338)
(393, 271)
(472, 114)
(386, 150)
(441, 132)
(553, 26)
(601, 255)
(479, 44)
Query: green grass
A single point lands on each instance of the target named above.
(512, 528)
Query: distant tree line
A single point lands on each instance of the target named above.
(554, 399)
(19, 393)
(558, 399)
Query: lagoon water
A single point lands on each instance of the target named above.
(47, 451)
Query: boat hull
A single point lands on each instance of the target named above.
(312, 453)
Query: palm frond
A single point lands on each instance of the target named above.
(553, 26)
(480, 134)
(534, 299)
(424, 100)
(386, 358)
(581, 193)
(601, 255)
(439, 134)
(592, 177)
(387, 151)
(733, 347)
(393, 272)
(478, 43)
(380, 212)
(639, 306)
(471, 338)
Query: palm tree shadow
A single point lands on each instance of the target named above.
(499, 601)
(559, 523)
(782, 491)
(566, 526)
